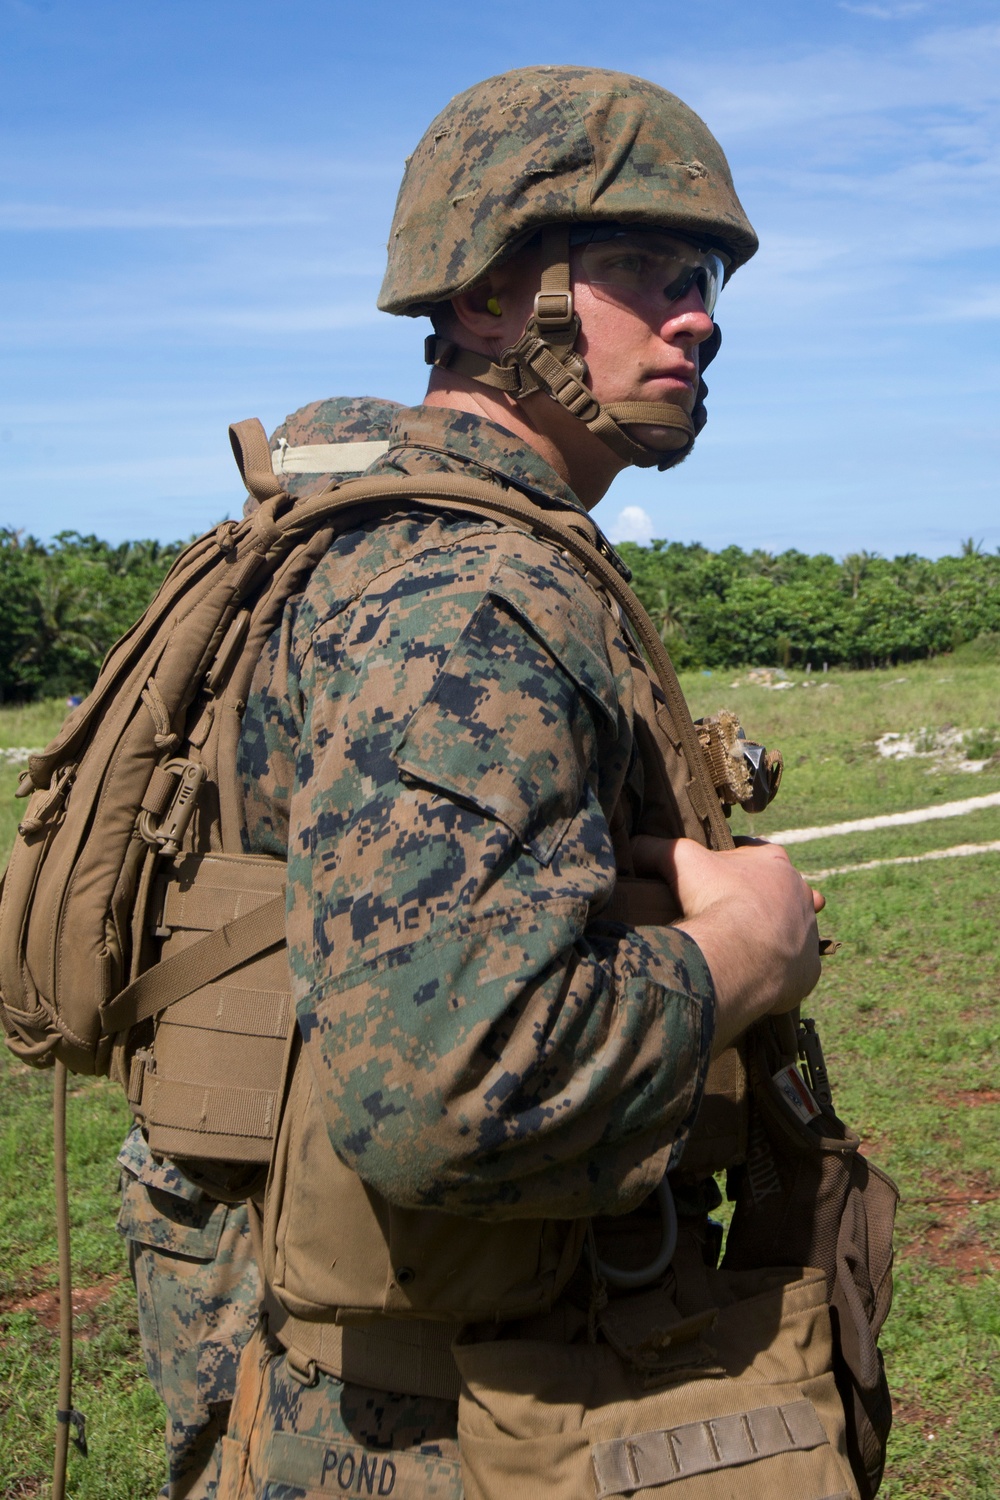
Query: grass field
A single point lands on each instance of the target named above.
(908, 1011)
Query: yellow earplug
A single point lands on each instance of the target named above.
(494, 307)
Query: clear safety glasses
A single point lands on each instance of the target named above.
(646, 269)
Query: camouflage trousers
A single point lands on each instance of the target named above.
(293, 1441)
(198, 1292)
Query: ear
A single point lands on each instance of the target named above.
(473, 314)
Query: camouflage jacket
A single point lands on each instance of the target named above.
(439, 734)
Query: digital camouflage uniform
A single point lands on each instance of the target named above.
(199, 1291)
(479, 1044)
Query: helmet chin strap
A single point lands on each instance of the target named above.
(544, 359)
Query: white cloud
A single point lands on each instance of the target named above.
(632, 525)
(984, 306)
(747, 94)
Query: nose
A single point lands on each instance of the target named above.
(685, 320)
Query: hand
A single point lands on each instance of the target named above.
(753, 917)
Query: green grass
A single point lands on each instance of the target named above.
(826, 732)
(29, 727)
(908, 1011)
(124, 1415)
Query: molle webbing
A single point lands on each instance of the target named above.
(212, 1085)
(411, 1356)
(626, 1466)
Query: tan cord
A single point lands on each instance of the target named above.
(65, 1402)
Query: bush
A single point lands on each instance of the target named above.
(63, 606)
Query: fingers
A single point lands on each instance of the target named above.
(819, 900)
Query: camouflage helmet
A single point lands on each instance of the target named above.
(539, 151)
(552, 145)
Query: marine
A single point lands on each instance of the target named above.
(485, 1246)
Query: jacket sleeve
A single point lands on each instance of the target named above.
(483, 1042)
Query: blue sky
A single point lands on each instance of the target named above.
(195, 197)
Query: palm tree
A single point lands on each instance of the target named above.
(855, 566)
(669, 618)
(59, 623)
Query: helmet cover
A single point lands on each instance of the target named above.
(552, 145)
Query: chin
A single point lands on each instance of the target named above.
(660, 439)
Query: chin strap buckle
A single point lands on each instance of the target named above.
(553, 310)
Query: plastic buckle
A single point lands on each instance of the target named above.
(553, 310)
(170, 832)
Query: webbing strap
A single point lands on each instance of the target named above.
(212, 1109)
(234, 1010)
(650, 414)
(625, 1465)
(200, 964)
(206, 905)
(410, 1355)
(555, 258)
(449, 356)
(252, 453)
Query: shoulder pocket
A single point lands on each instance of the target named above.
(564, 612)
(510, 725)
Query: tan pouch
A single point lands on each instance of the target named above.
(807, 1194)
(589, 1419)
(209, 1085)
(402, 1262)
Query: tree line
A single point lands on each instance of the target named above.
(734, 608)
(62, 605)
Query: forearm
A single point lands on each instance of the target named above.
(511, 1059)
(753, 918)
(726, 947)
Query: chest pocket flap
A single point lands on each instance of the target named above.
(512, 722)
